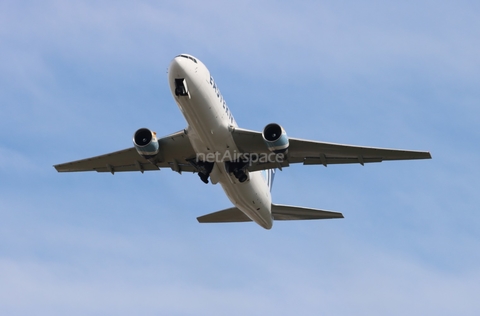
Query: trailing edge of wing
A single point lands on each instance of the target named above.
(279, 213)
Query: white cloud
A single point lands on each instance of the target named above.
(344, 277)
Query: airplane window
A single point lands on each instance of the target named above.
(191, 58)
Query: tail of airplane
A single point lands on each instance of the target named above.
(279, 213)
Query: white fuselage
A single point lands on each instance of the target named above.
(210, 124)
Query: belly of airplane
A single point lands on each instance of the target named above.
(209, 133)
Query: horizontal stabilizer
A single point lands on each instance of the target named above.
(229, 215)
(290, 213)
(279, 212)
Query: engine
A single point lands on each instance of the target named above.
(146, 143)
(276, 138)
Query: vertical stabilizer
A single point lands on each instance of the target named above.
(270, 176)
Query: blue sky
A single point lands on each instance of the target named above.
(78, 78)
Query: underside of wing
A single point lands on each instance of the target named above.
(318, 153)
(175, 150)
(311, 152)
(279, 213)
(123, 160)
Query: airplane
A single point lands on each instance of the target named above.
(242, 161)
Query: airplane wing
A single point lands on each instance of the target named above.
(279, 213)
(318, 153)
(175, 149)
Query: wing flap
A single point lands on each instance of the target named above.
(336, 160)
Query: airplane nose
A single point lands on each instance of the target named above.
(178, 67)
(184, 75)
(175, 66)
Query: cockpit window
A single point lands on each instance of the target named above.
(189, 57)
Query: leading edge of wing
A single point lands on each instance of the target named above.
(279, 213)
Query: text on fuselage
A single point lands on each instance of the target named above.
(222, 100)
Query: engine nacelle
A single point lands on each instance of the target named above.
(276, 138)
(146, 143)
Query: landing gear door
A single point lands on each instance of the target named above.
(215, 174)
